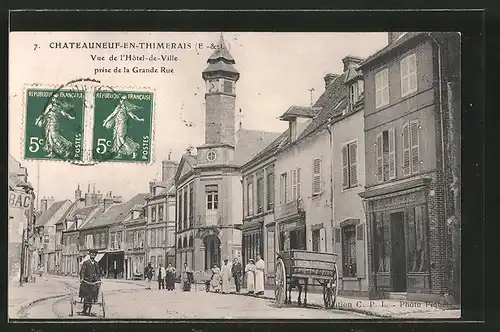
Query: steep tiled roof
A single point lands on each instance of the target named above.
(66, 213)
(403, 39)
(271, 148)
(331, 102)
(49, 213)
(251, 142)
(85, 212)
(301, 111)
(115, 213)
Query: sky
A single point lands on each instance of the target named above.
(277, 70)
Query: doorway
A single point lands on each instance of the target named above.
(212, 251)
(398, 265)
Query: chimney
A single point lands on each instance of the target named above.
(168, 169)
(351, 62)
(78, 194)
(393, 36)
(99, 198)
(329, 78)
(88, 199)
(50, 201)
(43, 205)
(108, 201)
(152, 188)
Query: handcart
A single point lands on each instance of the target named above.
(76, 303)
(295, 268)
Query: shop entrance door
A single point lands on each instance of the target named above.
(398, 265)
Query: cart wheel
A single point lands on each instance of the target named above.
(71, 306)
(280, 283)
(103, 304)
(335, 286)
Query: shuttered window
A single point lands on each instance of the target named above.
(360, 250)
(283, 188)
(337, 247)
(349, 167)
(250, 198)
(408, 75)
(296, 184)
(411, 155)
(315, 240)
(414, 149)
(316, 181)
(392, 153)
(382, 88)
(260, 194)
(270, 191)
(385, 154)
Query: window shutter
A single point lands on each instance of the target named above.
(322, 240)
(378, 89)
(404, 77)
(379, 154)
(345, 167)
(412, 69)
(385, 91)
(317, 176)
(414, 139)
(406, 149)
(282, 189)
(353, 171)
(392, 154)
(298, 183)
(294, 184)
(337, 248)
(360, 250)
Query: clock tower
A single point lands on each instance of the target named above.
(220, 116)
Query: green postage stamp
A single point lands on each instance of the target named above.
(54, 124)
(122, 126)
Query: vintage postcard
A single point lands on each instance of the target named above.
(234, 175)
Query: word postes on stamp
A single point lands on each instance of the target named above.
(54, 124)
(122, 128)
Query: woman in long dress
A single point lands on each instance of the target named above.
(186, 278)
(250, 272)
(55, 143)
(216, 279)
(122, 144)
(170, 280)
(260, 267)
(226, 277)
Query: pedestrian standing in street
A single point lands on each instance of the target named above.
(161, 276)
(90, 275)
(260, 266)
(186, 278)
(226, 277)
(170, 277)
(216, 280)
(236, 272)
(148, 274)
(250, 272)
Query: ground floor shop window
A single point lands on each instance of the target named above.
(349, 250)
(252, 246)
(416, 240)
(382, 242)
(295, 239)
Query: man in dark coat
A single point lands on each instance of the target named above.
(237, 272)
(90, 274)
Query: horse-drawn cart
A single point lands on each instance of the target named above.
(294, 268)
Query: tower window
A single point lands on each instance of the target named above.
(228, 86)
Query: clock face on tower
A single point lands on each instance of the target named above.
(213, 86)
(211, 155)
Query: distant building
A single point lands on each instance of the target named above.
(259, 227)
(135, 234)
(160, 213)
(411, 108)
(209, 183)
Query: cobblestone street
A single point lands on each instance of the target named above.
(132, 300)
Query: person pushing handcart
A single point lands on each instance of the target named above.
(90, 282)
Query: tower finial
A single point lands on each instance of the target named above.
(169, 154)
(221, 42)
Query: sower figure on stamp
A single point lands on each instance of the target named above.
(55, 143)
(89, 277)
(236, 272)
(123, 144)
